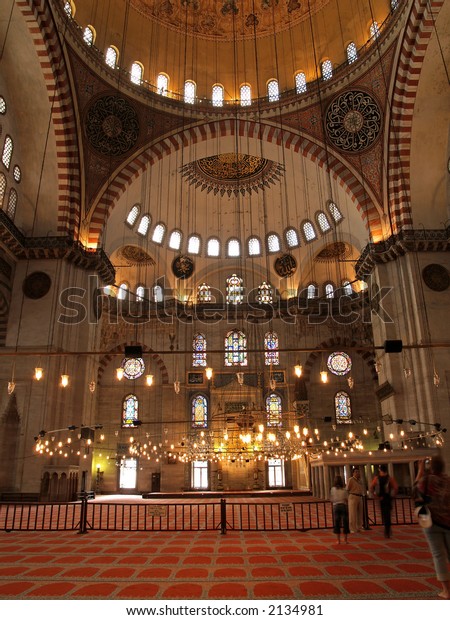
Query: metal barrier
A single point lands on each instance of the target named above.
(249, 516)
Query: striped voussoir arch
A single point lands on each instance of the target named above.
(106, 359)
(418, 31)
(340, 343)
(48, 48)
(246, 129)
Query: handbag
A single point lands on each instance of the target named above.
(423, 515)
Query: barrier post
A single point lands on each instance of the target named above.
(223, 516)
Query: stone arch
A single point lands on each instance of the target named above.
(367, 356)
(106, 359)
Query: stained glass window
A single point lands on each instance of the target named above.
(352, 53)
(327, 70)
(175, 240)
(374, 30)
(12, 204)
(2, 105)
(329, 291)
(343, 408)
(133, 367)
(130, 411)
(271, 353)
(246, 95)
(7, 152)
(235, 289)
(133, 215)
(17, 174)
(254, 246)
(235, 348)
(2, 188)
(111, 57)
(158, 233)
(213, 248)
(265, 295)
(309, 232)
(203, 293)
(199, 411)
(162, 84)
(140, 293)
(193, 244)
(273, 243)
(189, 91)
(199, 348)
(300, 83)
(89, 36)
(323, 222)
(217, 95)
(292, 239)
(339, 363)
(273, 91)
(273, 409)
(312, 291)
(334, 212)
(143, 225)
(234, 248)
(136, 73)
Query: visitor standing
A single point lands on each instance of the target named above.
(355, 490)
(339, 500)
(384, 488)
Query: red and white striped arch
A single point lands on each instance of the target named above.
(48, 48)
(417, 34)
(230, 127)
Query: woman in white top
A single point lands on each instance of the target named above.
(339, 499)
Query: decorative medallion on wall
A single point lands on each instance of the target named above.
(353, 121)
(333, 252)
(339, 363)
(135, 256)
(133, 367)
(112, 126)
(436, 277)
(232, 173)
(183, 267)
(36, 285)
(285, 265)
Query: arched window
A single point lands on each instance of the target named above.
(203, 293)
(394, 4)
(175, 240)
(246, 95)
(2, 105)
(347, 287)
(2, 189)
(133, 215)
(143, 225)
(271, 353)
(334, 212)
(264, 295)
(130, 411)
(199, 350)
(17, 174)
(235, 290)
(292, 239)
(273, 243)
(136, 73)
(323, 222)
(158, 233)
(162, 84)
(352, 53)
(140, 293)
(329, 291)
(273, 410)
(89, 36)
(8, 148)
(254, 246)
(374, 30)
(311, 291)
(300, 83)
(112, 56)
(309, 231)
(193, 246)
(235, 348)
(213, 247)
(199, 411)
(69, 8)
(234, 248)
(217, 95)
(12, 204)
(157, 293)
(122, 291)
(343, 408)
(273, 90)
(327, 70)
(189, 91)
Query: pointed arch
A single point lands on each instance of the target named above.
(106, 359)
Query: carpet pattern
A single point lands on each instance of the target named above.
(208, 565)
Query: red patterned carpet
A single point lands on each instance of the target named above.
(207, 565)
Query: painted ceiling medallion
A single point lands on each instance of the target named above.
(112, 126)
(334, 251)
(232, 173)
(353, 121)
(135, 256)
(228, 19)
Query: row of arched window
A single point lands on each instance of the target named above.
(254, 245)
(217, 91)
(8, 194)
(199, 413)
(236, 349)
(235, 293)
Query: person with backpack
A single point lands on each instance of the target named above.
(384, 488)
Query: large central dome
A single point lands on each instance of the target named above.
(228, 19)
